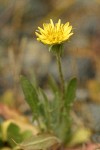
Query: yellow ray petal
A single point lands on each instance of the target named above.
(41, 30)
(54, 33)
(52, 24)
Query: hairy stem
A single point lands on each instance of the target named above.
(61, 74)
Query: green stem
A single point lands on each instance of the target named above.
(61, 75)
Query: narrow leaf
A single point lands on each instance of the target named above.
(53, 84)
(30, 93)
(70, 92)
(45, 103)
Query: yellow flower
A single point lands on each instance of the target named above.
(53, 34)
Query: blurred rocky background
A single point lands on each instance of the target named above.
(21, 53)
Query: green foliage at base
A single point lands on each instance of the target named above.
(52, 116)
(11, 134)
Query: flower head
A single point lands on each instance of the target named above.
(53, 34)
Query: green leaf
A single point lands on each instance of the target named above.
(30, 94)
(55, 110)
(53, 85)
(45, 98)
(70, 92)
(45, 107)
(39, 142)
(64, 130)
(13, 132)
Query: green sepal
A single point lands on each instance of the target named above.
(56, 49)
